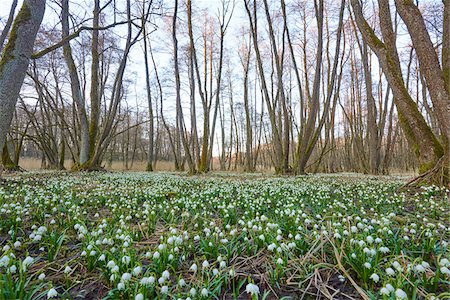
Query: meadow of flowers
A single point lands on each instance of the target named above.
(164, 236)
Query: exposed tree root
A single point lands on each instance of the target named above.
(438, 175)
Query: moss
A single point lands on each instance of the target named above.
(23, 16)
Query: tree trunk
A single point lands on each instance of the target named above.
(15, 59)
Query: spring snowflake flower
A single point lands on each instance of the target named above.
(17, 244)
(164, 289)
(384, 291)
(205, 264)
(444, 262)
(419, 268)
(445, 270)
(166, 274)
(13, 270)
(271, 247)
(193, 267)
(126, 260)
(400, 294)
(139, 297)
(384, 250)
(390, 271)
(193, 292)
(126, 276)
(102, 257)
(252, 289)
(204, 292)
(156, 255)
(375, 277)
(41, 276)
(280, 261)
(390, 287)
(52, 293)
(26, 262)
(137, 270)
(367, 265)
(181, 282)
(120, 286)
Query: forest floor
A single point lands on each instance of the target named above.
(118, 235)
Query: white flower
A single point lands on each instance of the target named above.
(193, 291)
(384, 250)
(252, 289)
(271, 247)
(181, 282)
(156, 255)
(102, 257)
(126, 260)
(4, 261)
(139, 297)
(193, 267)
(126, 276)
(164, 289)
(390, 271)
(445, 270)
(204, 292)
(137, 270)
(166, 274)
(367, 265)
(384, 291)
(400, 294)
(120, 286)
(41, 276)
(205, 264)
(390, 287)
(13, 270)
(419, 268)
(17, 244)
(444, 262)
(280, 261)
(375, 277)
(52, 293)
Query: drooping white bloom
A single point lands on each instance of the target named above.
(126, 276)
(181, 282)
(384, 291)
(400, 294)
(166, 274)
(252, 289)
(390, 271)
(137, 270)
(205, 264)
(126, 260)
(367, 265)
(139, 297)
(193, 267)
(41, 276)
(375, 277)
(204, 292)
(164, 289)
(52, 293)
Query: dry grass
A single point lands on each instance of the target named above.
(35, 164)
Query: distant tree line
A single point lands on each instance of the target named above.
(293, 86)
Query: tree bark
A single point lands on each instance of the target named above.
(15, 60)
